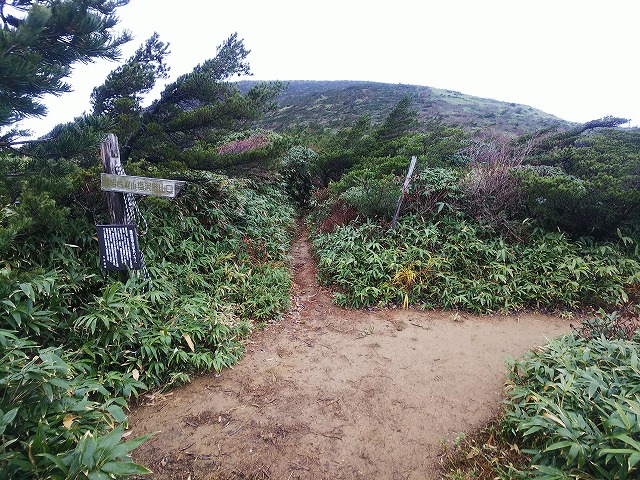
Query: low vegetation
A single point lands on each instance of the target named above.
(501, 226)
(575, 405)
(571, 411)
(76, 343)
(450, 262)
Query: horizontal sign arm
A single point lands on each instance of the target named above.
(157, 187)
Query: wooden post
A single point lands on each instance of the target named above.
(405, 187)
(110, 154)
(120, 190)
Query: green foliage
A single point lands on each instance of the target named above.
(554, 139)
(340, 150)
(590, 187)
(370, 194)
(364, 171)
(433, 190)
(552, 193)
(400, 120)
(367, 171)
(187, 123)
(361, 147)
(451, 262)
(33, 194)
(230, 234)
(248, 153)
(55, 420)
(78, 140)
(495, 262)
(296, 175)
(120, 96)
(218, 261)
(39, 43)
(436, 145)
(576, 406)
(133, 79)
(133, 336)
(378, 167)
(194, 112)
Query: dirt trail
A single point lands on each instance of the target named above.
(328, 393)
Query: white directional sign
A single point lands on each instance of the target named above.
(158, 187)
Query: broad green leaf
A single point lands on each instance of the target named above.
(628, 440)
(28, 291)
(117, 413)
(123, 449)
(618, 450)
(88, 448)
(99, 475)
(8, 417)
(559, 445)
(112, 439)
(124, 468)
(57, 461)
(58, 382)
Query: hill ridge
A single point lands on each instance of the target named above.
(337, 103)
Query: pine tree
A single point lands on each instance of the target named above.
(120, 96)
(401, 120)
(40, 41)
(199, 108)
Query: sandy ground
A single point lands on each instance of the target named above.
(328, 393)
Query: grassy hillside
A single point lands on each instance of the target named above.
(338, 103)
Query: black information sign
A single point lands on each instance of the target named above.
(119, 247)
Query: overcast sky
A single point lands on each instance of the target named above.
(576, 59)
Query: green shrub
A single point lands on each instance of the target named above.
(576, 405)
(551, 194)
(450, 262)
(56, 421)
(218, 260)
(34, 198)
(369, 193)
(295, 171)
(245, 152)
(377, 166)
(433, 190)
(592, 187)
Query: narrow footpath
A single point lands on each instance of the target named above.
(328, 393)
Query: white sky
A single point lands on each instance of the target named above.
(576, 59)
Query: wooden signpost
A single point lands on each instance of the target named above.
(405, 187)
(110, 154)
(119, 241)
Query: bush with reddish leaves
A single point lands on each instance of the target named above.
(244, 144)
(340, 214)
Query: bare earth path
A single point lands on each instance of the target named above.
(328, 393)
